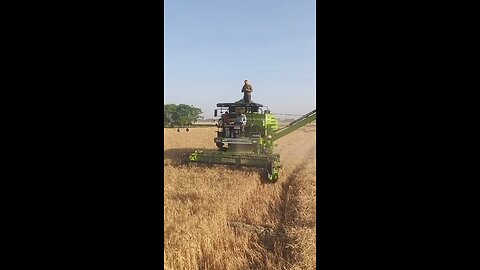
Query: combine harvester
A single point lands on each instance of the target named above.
(251, 146)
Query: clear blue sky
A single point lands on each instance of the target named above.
(212, 46)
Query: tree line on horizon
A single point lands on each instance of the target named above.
(180, 115)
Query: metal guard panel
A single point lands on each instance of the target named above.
(237, 140)
(217, 157)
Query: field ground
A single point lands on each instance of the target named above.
(221, 217)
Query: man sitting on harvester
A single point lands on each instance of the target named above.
(224, 120)
(242, 121)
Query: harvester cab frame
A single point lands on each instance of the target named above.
(251, 145)
(230, 128)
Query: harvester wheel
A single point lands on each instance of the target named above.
(184, 158)
(272, 175)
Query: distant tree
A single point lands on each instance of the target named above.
(180, 115)
(168, 114)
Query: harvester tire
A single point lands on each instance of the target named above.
(269, 171)
(184, 159)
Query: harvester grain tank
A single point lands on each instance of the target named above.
(251, 146)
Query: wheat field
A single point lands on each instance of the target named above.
(222, 217)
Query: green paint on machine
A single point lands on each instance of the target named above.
(250, 145)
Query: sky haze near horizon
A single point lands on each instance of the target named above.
(212, 46)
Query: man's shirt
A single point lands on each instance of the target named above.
(247, 88)
(241, 119)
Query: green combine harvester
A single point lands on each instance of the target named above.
(249, 145)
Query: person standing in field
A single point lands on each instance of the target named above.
(247, 90)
